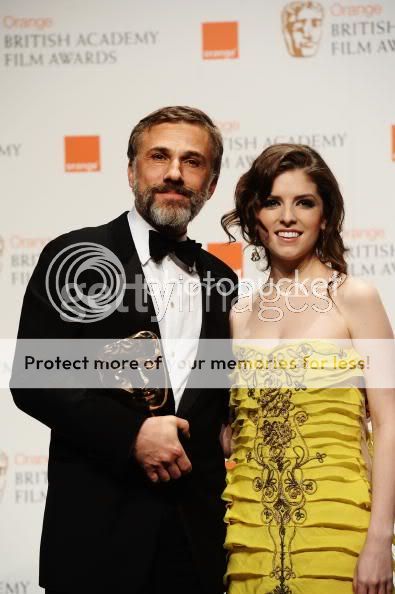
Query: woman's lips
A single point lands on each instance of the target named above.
(288, 236)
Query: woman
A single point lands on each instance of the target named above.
(305, 515)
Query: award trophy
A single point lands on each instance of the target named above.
(136, 364)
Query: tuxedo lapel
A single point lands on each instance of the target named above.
(137, 297)
(138, 308)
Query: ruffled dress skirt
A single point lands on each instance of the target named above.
(298, 489)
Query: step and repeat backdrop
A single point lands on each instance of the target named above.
(77, 76)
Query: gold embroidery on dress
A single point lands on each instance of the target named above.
(282, 453)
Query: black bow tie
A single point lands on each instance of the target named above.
(161, 245)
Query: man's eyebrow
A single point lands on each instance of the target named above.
(161, 149)
(187, 154)
(196, 154)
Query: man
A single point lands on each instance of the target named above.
(134, 499)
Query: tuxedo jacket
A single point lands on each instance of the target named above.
(103, 516)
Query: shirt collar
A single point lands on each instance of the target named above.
(140, 229)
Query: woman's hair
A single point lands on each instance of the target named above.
(256, 185)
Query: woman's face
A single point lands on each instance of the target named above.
(291, 218)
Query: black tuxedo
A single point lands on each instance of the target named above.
(103, 517)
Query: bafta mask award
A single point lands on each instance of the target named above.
(135, 364)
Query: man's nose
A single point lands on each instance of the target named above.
(174, 172)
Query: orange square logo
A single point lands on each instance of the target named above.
(81, 153)
(230, 253)
(220, 41)
(393, 143)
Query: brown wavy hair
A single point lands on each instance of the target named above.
(256, 185)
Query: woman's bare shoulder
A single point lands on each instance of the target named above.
(356, 291)
(362, 308)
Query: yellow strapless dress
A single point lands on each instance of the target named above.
(298, 485)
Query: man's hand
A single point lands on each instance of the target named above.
(159, 451)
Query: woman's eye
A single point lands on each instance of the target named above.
(269, 202)
(307, 203)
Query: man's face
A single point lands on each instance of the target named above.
(172, 174)
(304, 32)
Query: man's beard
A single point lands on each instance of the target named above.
(173, 215)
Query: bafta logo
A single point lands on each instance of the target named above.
(3, 473)
(302, 27)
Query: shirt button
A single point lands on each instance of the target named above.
(171, 303)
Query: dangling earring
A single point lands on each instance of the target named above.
(324, 239)
(255, 256)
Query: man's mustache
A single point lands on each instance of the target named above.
(169, 188)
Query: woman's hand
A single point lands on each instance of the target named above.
(373, 573)
(225, 438)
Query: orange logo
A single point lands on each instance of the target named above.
(302, 27)
(220, 41)
(81, 153)
(230, 253)
(393, 143)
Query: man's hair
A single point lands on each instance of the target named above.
(175, 114)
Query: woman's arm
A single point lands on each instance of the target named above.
(367, 320)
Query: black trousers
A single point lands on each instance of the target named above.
(173, 568)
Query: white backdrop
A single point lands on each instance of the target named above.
(93, 69)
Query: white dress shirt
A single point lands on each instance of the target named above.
(176, 295)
